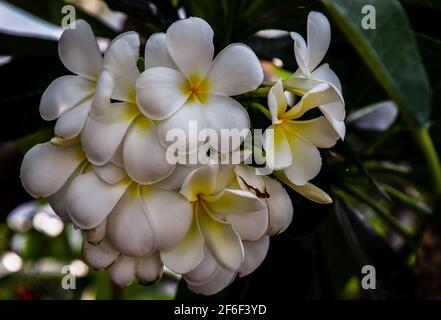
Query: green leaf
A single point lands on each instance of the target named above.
(390, 51)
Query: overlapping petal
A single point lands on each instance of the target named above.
(46, 168)
(79, 51)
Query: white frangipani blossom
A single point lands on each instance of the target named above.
(183, 83)
(294, 147)
(308, 56)
(107, 171)
(222, 218)
(118, 129)
(140, 218)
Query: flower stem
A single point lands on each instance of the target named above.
(423, 137)
(261, 108)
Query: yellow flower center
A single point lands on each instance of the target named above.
(196, 88)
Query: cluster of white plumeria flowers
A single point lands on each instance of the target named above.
(105, 170)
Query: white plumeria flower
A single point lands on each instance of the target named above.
(209, 277)
(116, 131)
(98, 253)
(182, 83)
(308, 57)
(222, 218)
(140, 218)
(69, 98)
(294, 147)
(48, 170)
(277, 200)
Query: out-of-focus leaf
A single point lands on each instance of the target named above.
(18, 46)
(50, 10)
(393, 278)
(390, 51)
(378, 116)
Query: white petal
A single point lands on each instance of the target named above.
(121, 61)
(156, 52)
(169, 213)
(97, 234)
(235, 70)
(144, 156)
(123, 271)
(319, 95)
(222, 279)
(183, 128)
(132, 39)
(109, 173)
(255, 253)
(149, 269)
(319, 38)
(338, 126)
(226, 114)
(175, 180)
(277, 102)
(117, 158)
(159, 92)
(318, 131)
(70, 124)
(57, 201)
(90, 200)
(79, 51)
(308, 190)
(46, 168)
(188, 254)
(98, 256)
(277, 149)
(128, 228)
(190, 44)
(280, 209)
(221, 239)
(205, 271)
(200, 181)
(103, 93)
(101, 137)
(243, 210)
(248, 180)
(63, 94)
(313, 193)
(306, 161)
(300, 52)
(325, 73)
